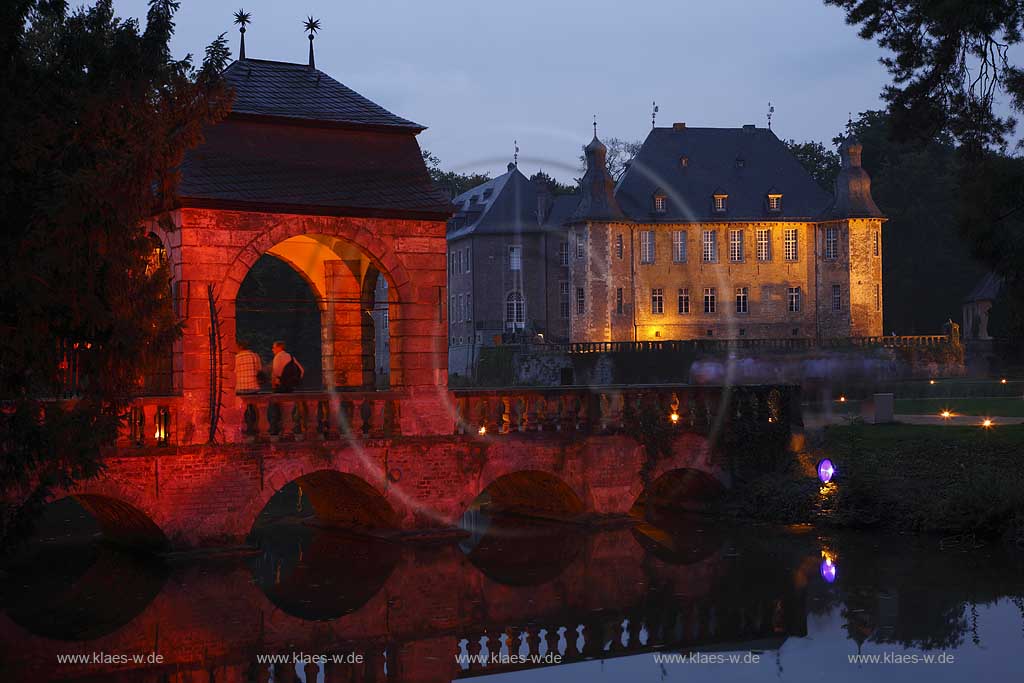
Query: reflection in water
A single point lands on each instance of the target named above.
(516, 587)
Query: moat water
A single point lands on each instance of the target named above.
(686, 599)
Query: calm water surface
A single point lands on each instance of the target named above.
(687, 600)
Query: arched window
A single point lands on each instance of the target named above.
(515, 310)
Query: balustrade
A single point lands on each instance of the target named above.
(320, 416)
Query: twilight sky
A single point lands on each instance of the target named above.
(481, 74)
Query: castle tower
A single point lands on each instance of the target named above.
(599, 256)
(850, 253)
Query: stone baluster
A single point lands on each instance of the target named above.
(392, 425)
(365, 419)
(252, 418)
(323, 419)
(346, 418)
(495, 416)
(274, 419)
(505, 419)
(378, 407)
(551, 638)
(300, 419)
(461, 416)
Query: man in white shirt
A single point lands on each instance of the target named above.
(281, 361)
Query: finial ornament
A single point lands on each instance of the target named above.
(654, 113)
(242, 18)
(771, 111)
(311, 26)
(515, 156)
(849, 124)
(595, 125)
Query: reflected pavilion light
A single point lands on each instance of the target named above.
(826, 470)
(828, 567)
(987, 423)
(945, 414)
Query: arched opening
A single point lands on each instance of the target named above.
(517, 551)
(122, 523)
(329, 301)
(680, 490)
(329, 498)
(529, 493)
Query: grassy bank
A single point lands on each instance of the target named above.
(902, 477)
(982, 407)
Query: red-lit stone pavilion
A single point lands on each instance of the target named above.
(311, 172)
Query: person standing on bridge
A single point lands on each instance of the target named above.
(248, 367)
(287, 371)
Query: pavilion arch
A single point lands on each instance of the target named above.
(121, 522)
(530, 493)
(684, 489)
(339, 499)
(343, 275)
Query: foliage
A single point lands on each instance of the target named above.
(554, 186)
(496, 366)
(452, 181)
(817, 159)
(950, 62)
(620, 154)
(99, 121)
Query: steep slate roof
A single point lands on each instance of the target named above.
(503, 205)
(987, 289)
(597, 188)
(298, 141)
(296, 91)
(744, 163)
(853, 185)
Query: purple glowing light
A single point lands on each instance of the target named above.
(828, 570)
(826, 470)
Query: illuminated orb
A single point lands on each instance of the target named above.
(987, 423)
(482, 430)
(826, 470)
(674, 417)
(828, 570)
(1002, 381)
(945, 414)
(842, 399)
(931, 381)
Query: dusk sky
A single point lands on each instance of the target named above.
(482, 74)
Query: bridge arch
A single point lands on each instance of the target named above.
(338, 499)
(529, 493)
(683, 489)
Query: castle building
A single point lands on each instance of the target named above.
(721, 233)
(508, 266)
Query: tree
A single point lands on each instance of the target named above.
(554, 186)
(620, 154)
(821, 162)
(949, 63)
(453, 182)
(97, 119)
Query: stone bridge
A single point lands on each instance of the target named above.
(408, 612)
(562, 453)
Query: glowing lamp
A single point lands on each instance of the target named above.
(674, 417)
(827, 568)
(987, 423)
(931, 381)
(842, 398)
(1002, 381)
(482, 430)
(826, 470)
(163, 425)
(945, 414)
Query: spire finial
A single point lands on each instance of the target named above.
(595, 125)
(771, 111)
(849, 124)
(654, 113)
(515, 156)
(242, 18)
(311, 26)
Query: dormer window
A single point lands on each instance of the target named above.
(659, 203)
(775, 202)
(740, 162)
(684, 162)
(721, 202)
(488, 192)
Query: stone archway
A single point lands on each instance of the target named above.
(530, 493)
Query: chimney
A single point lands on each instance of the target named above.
(544, 201)
(679, 125)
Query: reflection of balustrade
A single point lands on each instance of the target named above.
(320, 416)
(609, 410)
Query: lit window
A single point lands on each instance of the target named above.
(764, 244)
(837, 298)
(515, 310)
(775, 202)
(742, 294)
(515, 258)
(679, 246)
(684, 301)
(563, 253)
(646, 246)
(581, 245)
(736, 246)
(710, 244)
(563, 301)
(794, 299)
(618, 301)
(618, 246)
(581, 301)
(792, 251)
(657, 301)
(832, 242)
(709, 300)
(721, 202)
(659, 203)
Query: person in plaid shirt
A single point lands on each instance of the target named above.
(247, 370)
